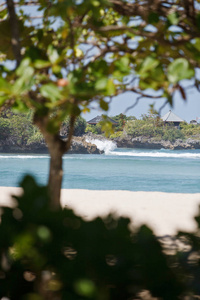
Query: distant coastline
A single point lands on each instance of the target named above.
(19, 135)
(86, 145)
(78, 146)
(143, 142)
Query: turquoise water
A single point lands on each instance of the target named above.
(119, 169)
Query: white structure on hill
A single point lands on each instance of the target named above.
(171, 118)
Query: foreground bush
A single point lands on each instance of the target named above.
(47, 254)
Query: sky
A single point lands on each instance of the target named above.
(186, 110)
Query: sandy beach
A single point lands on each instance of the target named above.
(165, 213)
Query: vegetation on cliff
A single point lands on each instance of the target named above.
(150, 127)
(18, 129)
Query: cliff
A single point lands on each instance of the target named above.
(82, 145)
(78, 146)
(152, 143)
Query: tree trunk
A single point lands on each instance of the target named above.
(57, 148)
(55, 174)
(14, 26)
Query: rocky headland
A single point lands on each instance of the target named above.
(151, 143)
(85, 144)
(79, 145)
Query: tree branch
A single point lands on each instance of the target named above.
(162, 107)
(155, 36)
(24, 4)
(133, 105)
(71, 131)
(134, 90)
(15, 36)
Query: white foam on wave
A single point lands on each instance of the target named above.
(157, 154)
(23, 156)
(103, 145)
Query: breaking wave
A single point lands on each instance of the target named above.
(103, 145)
(156, 154)
(23, 156)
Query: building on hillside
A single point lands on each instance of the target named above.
(171, 118)
(194, 122)
(98, 119)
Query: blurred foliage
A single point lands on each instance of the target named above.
(47, 254)
(89, 51)
(105, 127)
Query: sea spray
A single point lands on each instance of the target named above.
(103, 145)
(23, 156)
(156, 154)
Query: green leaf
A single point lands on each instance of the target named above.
(110, 87)
(197, 44)
(148, 64)
(173, 18)
(106, 127)
(153, 18)
(170, 100)
(101, 83)
(52, 54)
(198, 20)
(25, 82)
(95, 3)
(33, 296)
(56, 69)
(4, 86)
(51, 91)
(104, 105)
(23, 66)
(19, 105)
(41, 64)
(3, 99)
(179, 69)
(122, 64)
(85, 287)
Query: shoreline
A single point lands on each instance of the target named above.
(96, 151)
(164, 213)
(85, 144)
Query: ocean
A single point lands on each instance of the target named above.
(176, 171)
